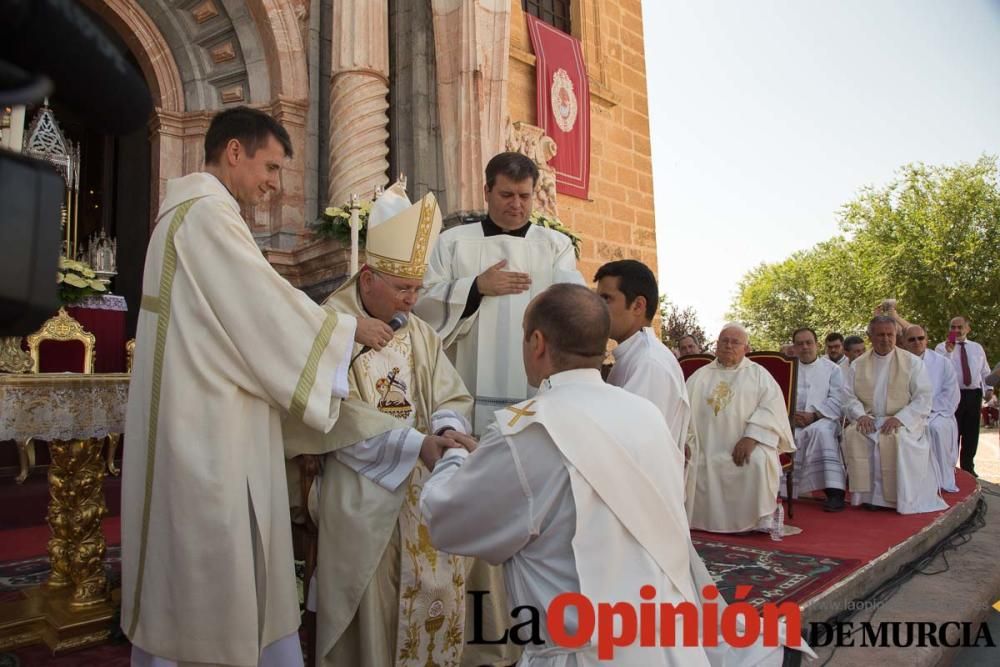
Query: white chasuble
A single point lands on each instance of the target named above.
(890, 470)
(728, 404)
(818, 461)
(486, 345)
(942, 428)
(225, 349)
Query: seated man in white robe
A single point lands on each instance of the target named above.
(942, 427)
(643, 364)
(818, 462)
(739, 425)
(577, 490)
(377, 579)
(888, 397)
(480, 279)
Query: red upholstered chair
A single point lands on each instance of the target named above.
(68, 340)
(692, 362)
(785, 371)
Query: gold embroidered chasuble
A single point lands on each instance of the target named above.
(385, 596)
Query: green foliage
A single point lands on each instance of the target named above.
(679, 322)
(930, 239)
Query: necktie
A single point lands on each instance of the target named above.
(966, 371)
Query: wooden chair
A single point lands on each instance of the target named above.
(692, 362)
(785, 371)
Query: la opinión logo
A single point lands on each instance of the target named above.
(611, 625)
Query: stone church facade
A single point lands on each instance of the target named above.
(369, 88)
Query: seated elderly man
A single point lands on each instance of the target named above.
(738, 427)
(942, 427)
(888, 395)
(818, 464)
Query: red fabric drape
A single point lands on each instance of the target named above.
(563, 104)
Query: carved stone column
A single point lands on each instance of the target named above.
(472, 51)
(359, 86)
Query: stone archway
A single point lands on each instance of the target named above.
(199, 58)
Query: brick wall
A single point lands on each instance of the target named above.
(618, 221)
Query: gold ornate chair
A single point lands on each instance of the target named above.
(15, 360)
(62, 327)
(129, 354)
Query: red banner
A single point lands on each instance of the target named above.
(563, 104)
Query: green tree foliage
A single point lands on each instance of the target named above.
(679, 322)
(930, 239)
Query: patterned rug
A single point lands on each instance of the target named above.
(18, 574)
(774, 575)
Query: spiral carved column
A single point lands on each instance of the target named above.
(76, 548)
(359, 89)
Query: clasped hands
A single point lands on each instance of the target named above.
(804, 418)
(866, 425)
(435, 446)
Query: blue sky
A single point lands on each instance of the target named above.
(768, 115)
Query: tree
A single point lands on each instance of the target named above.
(930, 239)
(679, 322)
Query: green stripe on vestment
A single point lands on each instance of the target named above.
(307, 380)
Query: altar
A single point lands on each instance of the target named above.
(74, 412)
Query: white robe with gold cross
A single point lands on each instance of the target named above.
(728, 404)
(225, 349)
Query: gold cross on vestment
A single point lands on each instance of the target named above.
(518, 413)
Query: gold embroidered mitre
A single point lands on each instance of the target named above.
(401, 235)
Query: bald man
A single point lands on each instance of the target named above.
(739, 425)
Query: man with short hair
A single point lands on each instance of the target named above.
(643, 364)
(688, 345)
(480, 279)
(888, 396)
(835, 350)
(739, 425)
(574, 491)
(854, 347)
(374, 575)
(225, 350)
(942, 428)
(971, 370)
(818, 463)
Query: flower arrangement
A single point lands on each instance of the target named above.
(542, 220)
(335, 223)
(77, 281)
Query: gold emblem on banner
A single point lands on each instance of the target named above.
(563, 100)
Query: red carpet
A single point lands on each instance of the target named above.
(855, 533)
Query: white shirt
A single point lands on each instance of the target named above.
(978, 366)
(942, 375)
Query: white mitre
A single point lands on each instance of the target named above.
(401, 235)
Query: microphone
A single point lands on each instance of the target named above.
(397, 322)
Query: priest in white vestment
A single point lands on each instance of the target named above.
(819, 464)
(942, 427)
(739, 425)
(835, 350)
(384, 595)
(643, 364)
(888, 397)
(480, 279)
(574, 491)
(225, 348)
